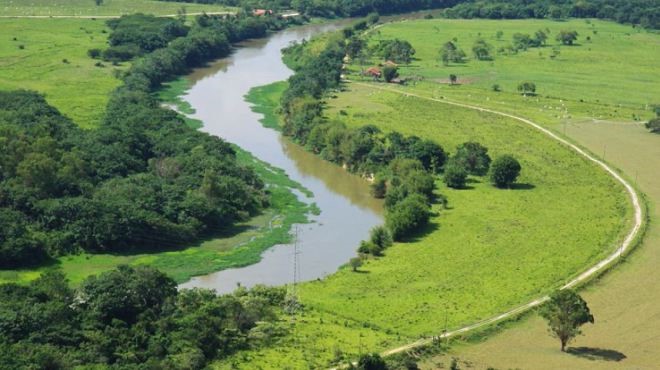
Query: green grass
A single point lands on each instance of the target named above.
(239, 247)
(89, 8)
(617, 57)
(77, 88)
(171, 94)
(623, 301)
(266, 101)
(492, 249)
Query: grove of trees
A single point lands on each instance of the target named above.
(130, 318)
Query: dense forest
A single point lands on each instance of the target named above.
(130, 318)
(643, 12)
(143, 180)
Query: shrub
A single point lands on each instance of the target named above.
(473, 157)
(527, 88)
(504, 171)
(94, 53)
(410, 215)
(654, 125)
(379, 188)
(455, 175)
(390, 73)
(381, 237)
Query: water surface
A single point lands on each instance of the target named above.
(348, 212)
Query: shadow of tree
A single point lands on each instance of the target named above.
(517, 186)
(596, 354)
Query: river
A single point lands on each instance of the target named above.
(348, 211)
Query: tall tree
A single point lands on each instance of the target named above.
(567, 37)
(565, 313)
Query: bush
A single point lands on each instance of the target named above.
(410, 215)
(381, 237)
(390, 73)
(455, 175)
(379, 188)
(653, 125)
(371, 361)
(473, 157)
(504, 171)
(94, 53)
(527, 88)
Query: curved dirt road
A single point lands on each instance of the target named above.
(586, 275)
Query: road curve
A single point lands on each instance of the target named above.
(586, 275)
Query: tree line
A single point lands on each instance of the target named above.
(638, 12)
(130, 318)
(334, 8)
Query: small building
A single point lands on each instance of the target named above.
(262, 12)
(374, 72)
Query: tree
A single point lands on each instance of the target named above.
(654, 125)
(540, 38)
(565, 313)
(381, 237)
(355, 46)
(390, 73)
(473, 157)
(504, 171)
(567, 37)
(356, 263)
(450, 53)
(371, 361)
(398, 51)
(409, 215)
(521, 41)
(455, 175)
(98, 2)
(482, 49)
(527, 88)
(379, 188)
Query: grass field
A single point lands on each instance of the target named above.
(624, 302)
(56, 64)
(523, 243)
(616, 57)
(89, 7)
(492, 249)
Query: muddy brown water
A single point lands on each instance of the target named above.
(348, 212)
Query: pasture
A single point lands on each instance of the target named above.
(34, 57)
(489, 251)
(88, 8)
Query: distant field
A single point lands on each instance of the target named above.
(50, 56)
(89, 7)
(617, 58)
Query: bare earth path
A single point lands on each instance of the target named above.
(585, 276)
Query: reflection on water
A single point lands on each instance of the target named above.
(348, 211)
